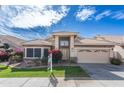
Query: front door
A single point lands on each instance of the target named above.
(65, 52)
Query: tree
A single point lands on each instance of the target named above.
(6, 46)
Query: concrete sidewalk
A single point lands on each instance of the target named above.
(59, 82)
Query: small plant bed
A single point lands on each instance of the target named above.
(61, 71)
(32, 64)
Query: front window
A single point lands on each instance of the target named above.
(37, 52)
(29, 52)
(64, 43)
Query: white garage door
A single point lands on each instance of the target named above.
(93, 56)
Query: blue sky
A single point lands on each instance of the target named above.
(32, 22)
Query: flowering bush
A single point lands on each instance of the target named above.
(18, 52)
(4, 56)
(17, 55)
(56, 55)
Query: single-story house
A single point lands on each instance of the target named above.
(85, 50)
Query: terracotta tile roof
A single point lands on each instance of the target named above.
(92, 41)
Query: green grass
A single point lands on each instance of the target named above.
(67, 71)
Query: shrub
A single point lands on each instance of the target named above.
(4, 56)
(73, 60)
(115, 61)
(56, 55)
(37, 61)
(44, 60)
(6, 46)
(17, 55)
(18, 58)
(18, 52)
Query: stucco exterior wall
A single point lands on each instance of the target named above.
(56, 42)
(72, 50)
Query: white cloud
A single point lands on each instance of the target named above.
(32, 16)
(118, 15)
(26, 17)
(103, 14)
(85, 13)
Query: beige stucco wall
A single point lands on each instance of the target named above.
(72, 50)
(56, 42)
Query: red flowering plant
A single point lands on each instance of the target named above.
(4, 55)
(56, 55)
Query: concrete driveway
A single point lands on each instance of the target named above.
(104, 71)
(106, 74)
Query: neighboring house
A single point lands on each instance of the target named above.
(118, 49)
(84, 50)
(13, 42)
(118, 40)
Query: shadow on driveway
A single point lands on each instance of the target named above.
(76, 73)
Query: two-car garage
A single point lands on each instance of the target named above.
(93, 55)
(94, 50)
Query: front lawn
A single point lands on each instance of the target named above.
(61, 71)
